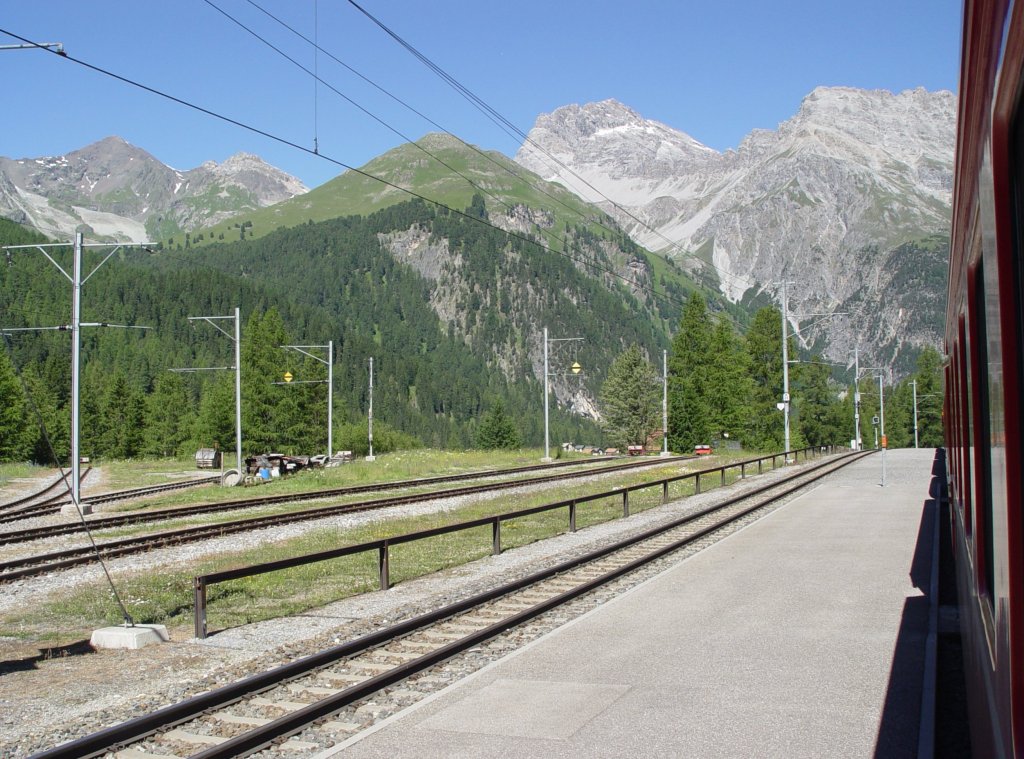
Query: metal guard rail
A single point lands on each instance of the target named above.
(202, 582)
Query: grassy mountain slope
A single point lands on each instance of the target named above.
(443, 169)
(417, 167)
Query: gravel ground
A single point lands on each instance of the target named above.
(44, 701)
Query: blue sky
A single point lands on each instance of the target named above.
(715, 70)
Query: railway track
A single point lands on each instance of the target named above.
(311, 704)
(53, 505)
(159, 514)
(29, 566)
(27, 501)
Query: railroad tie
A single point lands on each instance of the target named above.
(184, 736)
(369, 666)
(239, 719)
(287, 706)
(343, 678)
(312, 690)
(297, 745)
(403, 656)
(134, 753)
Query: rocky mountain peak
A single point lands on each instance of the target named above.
(823, 200)
(609, 139)
(115, 190)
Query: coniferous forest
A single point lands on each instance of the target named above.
(437, 380)
(330, 281)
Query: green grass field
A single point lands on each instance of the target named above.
(165, 596)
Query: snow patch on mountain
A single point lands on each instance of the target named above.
(116, 189)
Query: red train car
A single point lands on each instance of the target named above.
(984, 380)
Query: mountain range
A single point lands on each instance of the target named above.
(114, 191)
(847, 202)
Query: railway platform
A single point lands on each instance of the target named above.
(809, 633)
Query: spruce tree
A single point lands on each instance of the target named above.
(929, 399)
(498, 430)
(729, 385)
(14, 430)
(269, 411)
(820, 417)
(690, 415)
(215, 423)
(764, 350)
(630, 399)
(167, 413)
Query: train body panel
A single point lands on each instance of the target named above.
(983, 376)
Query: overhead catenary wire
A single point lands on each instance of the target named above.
(337, 162)
(128, 621)
(513, 131)
(409, 140)
(502, 166)
(316, 77)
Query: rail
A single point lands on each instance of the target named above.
(382, 547)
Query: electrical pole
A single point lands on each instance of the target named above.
(77, 281)
(785, 370)
(575, 370)
(330, 398)
(881, 414)
(856, 399)
(664, 402)
(236, 337)
(238, 396)
(369, 425)
(547, 446)
(304, 350)
(913, 383)
(76, 381)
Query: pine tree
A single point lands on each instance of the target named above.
(268, 411)
(690, 415)
(764, 349)
(899, 415)
(93, 425)
(630, 399)
(44, 412)
(820, 414)
(167, 415)
(729, 385)
(498, 430)
(929, 399)
(123, 414)
(215, 423)
(14, 429)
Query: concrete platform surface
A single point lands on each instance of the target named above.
(802, 635)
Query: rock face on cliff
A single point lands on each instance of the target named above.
(116, 191)
(848, 202)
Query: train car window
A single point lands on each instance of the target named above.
(966, 428)
(982, 474)
(1010, 434)
(948, 415)
(954, 428)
